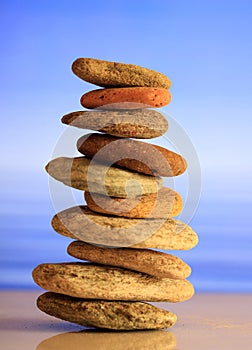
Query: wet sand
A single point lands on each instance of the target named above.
(207, 321)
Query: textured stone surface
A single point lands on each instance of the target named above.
(81, 223)
(142, 123)
(90, 281)
(143, 260)
(126, 98)
(131, 154)
(116, 315)
(98, 178)
(163, 204)
(108, 74)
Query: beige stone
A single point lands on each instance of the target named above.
(90, 281)
(142, 260)
(83, 174)
(81, 223)
(114, 315)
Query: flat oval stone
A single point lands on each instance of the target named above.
(115, 74)
(82, 174)
(90, 281)
(163, 204)
(148, 261)
(81, 223)
(138, 156)
(126, 98)
(116, 315)
(141, 123)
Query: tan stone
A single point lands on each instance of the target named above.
(142, 260)
(108, 74)
(116, 315)
(79, 173)
(81, 223)
(89, 281)
(140, 123)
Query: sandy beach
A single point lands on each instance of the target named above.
(207, 321)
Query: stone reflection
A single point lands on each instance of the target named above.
(109, 340)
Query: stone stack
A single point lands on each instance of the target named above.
(128, 213)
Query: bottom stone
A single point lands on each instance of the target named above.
(116, 315)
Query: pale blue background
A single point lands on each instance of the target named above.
(203, 46)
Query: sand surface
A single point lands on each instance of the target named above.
(208, 321)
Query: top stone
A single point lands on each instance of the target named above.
(114, 74)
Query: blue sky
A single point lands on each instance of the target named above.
(203, 46)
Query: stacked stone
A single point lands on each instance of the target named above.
(128, 212)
